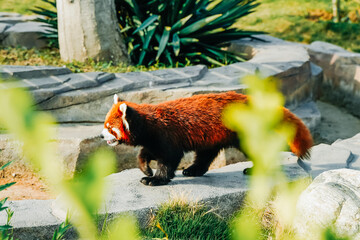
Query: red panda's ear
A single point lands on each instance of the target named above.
(122, 109)
(116, 99)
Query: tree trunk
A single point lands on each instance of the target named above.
(336, 10)
(89, 29)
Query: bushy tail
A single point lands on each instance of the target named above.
(302, 141)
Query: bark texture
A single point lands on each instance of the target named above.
(89, 29)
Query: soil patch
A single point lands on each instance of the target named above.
(27, 186)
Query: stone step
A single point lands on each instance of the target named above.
(223, 189)
(326, 157)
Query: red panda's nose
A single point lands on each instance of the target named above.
(102, 136)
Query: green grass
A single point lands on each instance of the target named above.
(287, 19)
(180, 220)
(51, 57)
(20, 6)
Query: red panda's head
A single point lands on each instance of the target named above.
(116, 127)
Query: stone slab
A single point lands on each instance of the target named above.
(309, 114)
(332, 199)
(287, 61)
(122, 83)
(26, 34)
(325, 157)
(33, 220)
(14, 18)
(353, 145)
(341, 82)
(223, 189)
(9, 14)
(27, 72)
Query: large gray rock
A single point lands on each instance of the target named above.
(26, 34)
(341, 83)
(332, 199)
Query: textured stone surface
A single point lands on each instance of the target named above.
(89, 103)
(335, 123)
(341, 68)
(326, 157)
(333, 198)
(26, 34)
(222, 188)
(26, 72)
(33, 220)
(309, 114)
(288, 61)
(353, 145)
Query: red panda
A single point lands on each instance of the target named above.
(167, 130)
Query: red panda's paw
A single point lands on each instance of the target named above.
(154, 181)
(147, 171)
(194, 171)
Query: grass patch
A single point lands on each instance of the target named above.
(51, 57)
(21, 6)
(289, 20)
(180, 220)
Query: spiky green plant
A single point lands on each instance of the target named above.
(50, 18)
(182, 31)
(6, 230)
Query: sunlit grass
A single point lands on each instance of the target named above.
(178, 219)
(51, 57)
(20, 6)
(287, 19)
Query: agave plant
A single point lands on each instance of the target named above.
(50, 18)
(182, 31)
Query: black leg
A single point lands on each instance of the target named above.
(202, 162)
(144, 159)
(166, 170)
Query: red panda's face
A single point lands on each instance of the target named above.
(116, 127)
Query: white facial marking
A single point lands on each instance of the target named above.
(123, 110)
(107, 124)
(110, 139)
(117, 131)
(116, 98)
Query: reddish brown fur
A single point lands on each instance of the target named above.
(168, 129)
